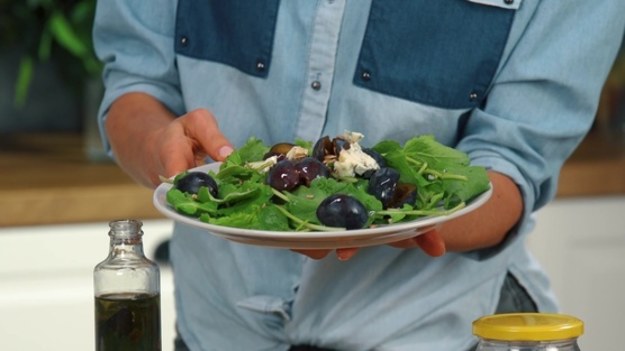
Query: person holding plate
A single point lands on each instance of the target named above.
(512, 83)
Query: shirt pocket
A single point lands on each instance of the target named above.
(442, 53)
(237, 33)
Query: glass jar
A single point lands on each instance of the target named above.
(528, 332)
(127, 293)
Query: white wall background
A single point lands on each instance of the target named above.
(581, 244)
(46, 285)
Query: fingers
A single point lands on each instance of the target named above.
(431, 242)
(176, 153)
(346, 253)
(342, 254)
(188, 140)
(314, 254)
(201, 127)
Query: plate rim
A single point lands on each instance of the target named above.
(322, 238)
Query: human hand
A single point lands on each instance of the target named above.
(485, 227)
(431, 242)
(186, 142)
(148, 141)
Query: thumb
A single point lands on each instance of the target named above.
(201, 126)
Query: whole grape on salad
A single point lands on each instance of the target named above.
(333, 184)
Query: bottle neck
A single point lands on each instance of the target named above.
(126, 238)
(124, 247)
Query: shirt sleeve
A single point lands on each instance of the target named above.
(134, 40)
(545, 95)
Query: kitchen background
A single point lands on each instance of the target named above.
(58, 190)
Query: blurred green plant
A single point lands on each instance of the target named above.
(49, 30)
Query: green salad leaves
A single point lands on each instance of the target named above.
(444, 179)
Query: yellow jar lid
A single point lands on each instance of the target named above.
(528, 327)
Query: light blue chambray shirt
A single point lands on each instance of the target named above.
(515, 84)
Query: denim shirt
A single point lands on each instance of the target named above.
(515, 84)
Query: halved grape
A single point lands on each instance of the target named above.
(310, 168)
(283, 176)
(280, 150)
(405, 193)
(323, 147)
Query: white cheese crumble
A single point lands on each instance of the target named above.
(352, 137)
(353, 161)
(264, 165)
(296, 153)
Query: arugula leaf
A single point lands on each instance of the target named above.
(308, 145)
(440, 172)
(265, 217)
(229, 193)
(303, 202)
(426, 149)
(262, 196)
(477, 182)
(187, 204)
(252, 150)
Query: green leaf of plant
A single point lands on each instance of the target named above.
(65, 35)
(24, 78)
(82, 11)
(45, 45)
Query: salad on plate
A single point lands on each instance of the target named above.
(333, 184)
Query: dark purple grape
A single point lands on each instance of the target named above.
(343, 211)
(310, 168)
(382, 185)
(193, 181)
(378, 159)
(340, 144)
(322, 147)
(405, 193)
(376, 156)
(283, 176)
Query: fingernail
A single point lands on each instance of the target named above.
(225, 151)
(345, 254)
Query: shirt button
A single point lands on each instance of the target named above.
(316, 85)
(366, 76)
(260, 66)
(473, 96)
(508, 2)
(184, 41)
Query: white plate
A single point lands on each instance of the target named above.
(312, 240)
